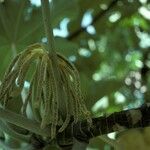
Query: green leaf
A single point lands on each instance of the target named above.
(21, 25)
(17, 29)
(96, 144)
(13, 102)
(105, 87)
(23, 21)
(51, 147)
(64, 9)
(5, 57)
(65, 47)
(97, 90)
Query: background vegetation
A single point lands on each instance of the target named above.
(107, 40)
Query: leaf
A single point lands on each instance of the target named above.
(12, 142)
(97, 90)
(51, 147)
(5, 57)
(65, 47)
(88, 65)
(64, 9)
(96, 144)
(13, 27)
(13, 102)
(105, 87)
(21, 25)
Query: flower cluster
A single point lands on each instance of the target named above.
(43, 95)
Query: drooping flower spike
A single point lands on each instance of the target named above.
(43, 90)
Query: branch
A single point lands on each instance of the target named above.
(118, 121)
(95, 19)
(81, 131)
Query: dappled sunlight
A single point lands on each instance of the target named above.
(144, 12)
(63, 31)
(119, 98)
(37, 2)
(86, 22)
(144, 38)
(101, 104)
(91, 29)
(87, 19)
(84, 52)
(112, 135)
(115, 17)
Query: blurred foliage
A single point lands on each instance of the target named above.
(112, 55)
(125, 140)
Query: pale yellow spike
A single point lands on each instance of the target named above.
(34, 93)
(53, 131)
(76, 86)
(23, 70)
(55, 103)
(10, 67)
(9, 79)
(73, 99)
(40, 81)
(47, 99)
(5, 87)
(24, 107)
(68, 111)
(64, 61)
(34, 46)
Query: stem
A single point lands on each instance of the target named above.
(23, 122)
(50, 37)
(51, 46)
(48, 26)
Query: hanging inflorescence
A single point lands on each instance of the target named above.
(43, 90)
